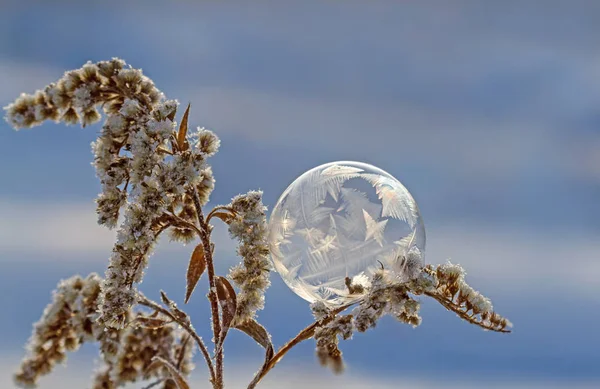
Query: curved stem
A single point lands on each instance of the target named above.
(449, 305)
(143, 300)
(216, 209)
(303, 335)
(184, 223)
(212, 296)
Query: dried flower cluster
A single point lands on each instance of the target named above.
(446, 283)
(252, 275)
(327, 341)
(386, 295)
(138, 156)
(155, 178)
(70, 320)
(64, 325)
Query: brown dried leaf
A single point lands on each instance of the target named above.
(150, 322)
(261, 336)
(257, 332)
(177, 313)
(224, 215)
(175, 374)
(171, 115)
(183, 128)
(227, 299)
(196, 267)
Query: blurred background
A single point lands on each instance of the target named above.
(489, 112)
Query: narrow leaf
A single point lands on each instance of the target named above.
(150, 322)
(171, 115)
(225, 216)
(257, 332)
(175, 374)
(196, 267)
(261, 336)
(163, 296)
(228, 301)
(183, 128)
(178, 313)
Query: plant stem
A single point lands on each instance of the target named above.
(212, 296)
(143, 300)
(217, 209)
(451, 306)
(303, 335)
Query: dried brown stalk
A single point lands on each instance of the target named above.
(212, 294)
(143, 300)
(460, 311)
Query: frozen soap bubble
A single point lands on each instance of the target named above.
(340, 221)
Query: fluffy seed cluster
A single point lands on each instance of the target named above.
(70, 320)
(320, 310)
(136, 169)
(159, 186)
(66, 323)
(327, 341)
(139, 345)
(252, 274)
(156, 194)
(446, 283)
(383, 297)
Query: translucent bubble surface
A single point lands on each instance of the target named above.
(344, 220)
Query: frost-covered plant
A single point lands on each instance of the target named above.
(155, 179)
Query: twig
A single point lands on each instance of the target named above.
(182, 351)
(216, 209)
(303, 335)
(184, 223)
(153, 384)
(451, 306)
(212, 296)
(143, 300)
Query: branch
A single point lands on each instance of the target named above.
(212, 296)
(218, 212)
(451, 306)
(303, 335)
(143, 300)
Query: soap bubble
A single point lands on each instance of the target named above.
(340, 222)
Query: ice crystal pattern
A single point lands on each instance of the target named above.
(336, 224)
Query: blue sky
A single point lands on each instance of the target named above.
(488, 112)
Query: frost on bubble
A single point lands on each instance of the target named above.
(340, 221)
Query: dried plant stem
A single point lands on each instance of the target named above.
(153, 384)
(451, 306)
(216, 209)
(179, 221)
(143, 300)
(212, 295)
(303, 335)
(182, 353)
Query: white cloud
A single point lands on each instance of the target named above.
(492, 254)
(78, 373)
(509, 257)
(64, 228)
(43, 227)
(18, 77)
(458, 144)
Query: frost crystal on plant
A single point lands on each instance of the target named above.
(252, 275)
